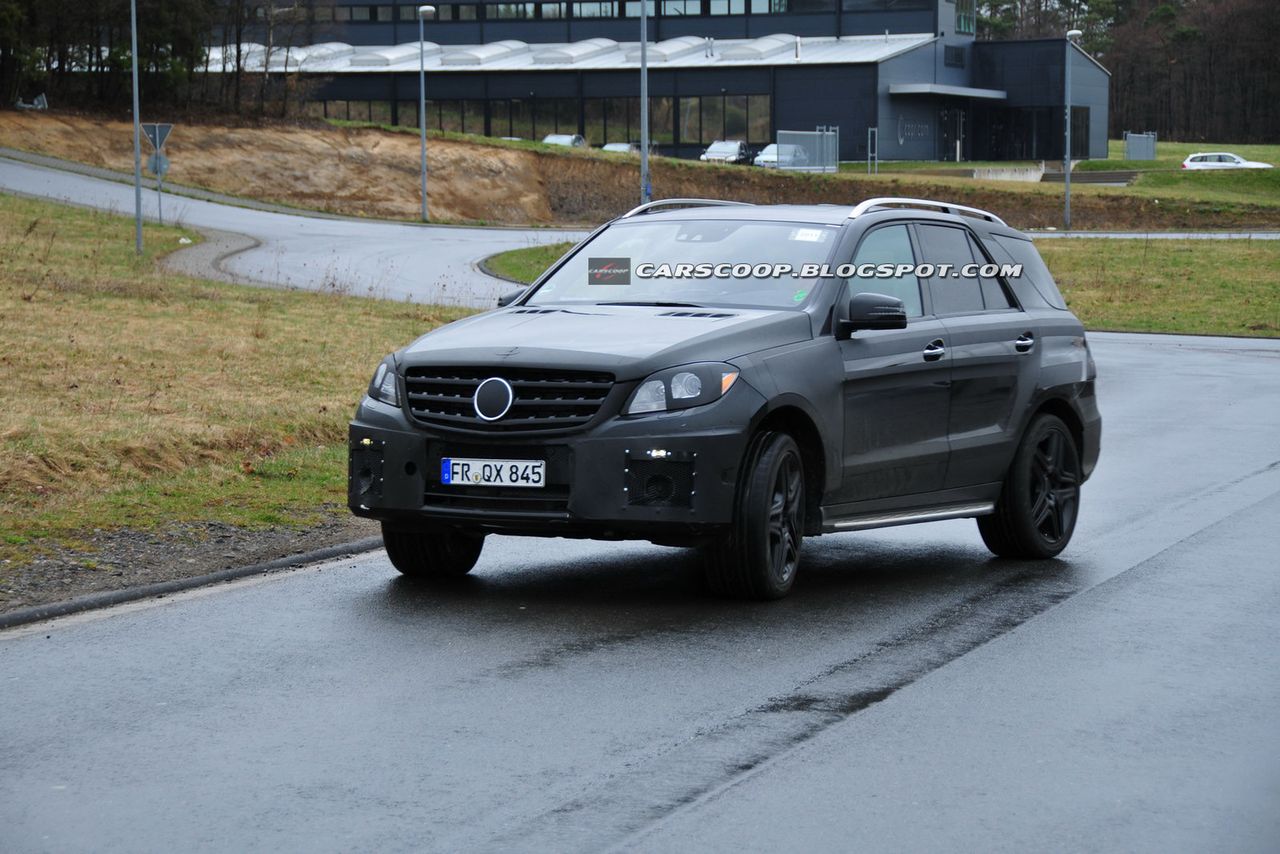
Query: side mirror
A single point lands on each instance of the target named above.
(872, 311)
(506, 299)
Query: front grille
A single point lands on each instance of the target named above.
(543, 399)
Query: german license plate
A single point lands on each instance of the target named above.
(462, 471)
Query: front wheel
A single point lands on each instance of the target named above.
(1040, 499)
(759, 556)
(432, 552)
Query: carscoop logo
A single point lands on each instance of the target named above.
(608, 271)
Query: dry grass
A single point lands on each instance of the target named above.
(120, 379)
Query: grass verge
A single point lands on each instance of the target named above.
(1200, 287)
(135, 398)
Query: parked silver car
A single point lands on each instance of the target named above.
(726, 151)
(569, 140)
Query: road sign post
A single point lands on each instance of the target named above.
(158, 163)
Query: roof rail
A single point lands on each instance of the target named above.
(648, 207)
(946, 207)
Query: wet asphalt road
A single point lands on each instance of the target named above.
(912, 694)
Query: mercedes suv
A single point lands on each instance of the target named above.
(736, 378)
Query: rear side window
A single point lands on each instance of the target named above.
(1033, 267)
(994, 294)
(954, 294)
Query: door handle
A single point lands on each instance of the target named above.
(935, 350)
(1025, 342)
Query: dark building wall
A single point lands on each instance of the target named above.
(841, 95)
(1032, 73)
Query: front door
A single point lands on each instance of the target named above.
(896, 394)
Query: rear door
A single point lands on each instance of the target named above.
(895, 387)
(994, 356)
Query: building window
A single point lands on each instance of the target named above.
(342, 14)
(966, 17)
(510, 11)
(887, 5)
(631, 8)
(359, 13)
(953, 56)
(728, 7)
(322, 14)
(595, 9)
(551, 10)
(679, 8)
(759, 129)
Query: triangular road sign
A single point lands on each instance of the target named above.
(157, 134)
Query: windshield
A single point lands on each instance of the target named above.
(771, 148)
(692, 263)
(722, 148)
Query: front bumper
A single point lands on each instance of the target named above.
(669, 474)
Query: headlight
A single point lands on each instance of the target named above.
(682, 388)
(383, 385)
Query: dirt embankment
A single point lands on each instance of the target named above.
(371, 172)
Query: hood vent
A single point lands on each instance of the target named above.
(535, 311)
(704, 314)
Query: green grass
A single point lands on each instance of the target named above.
(1169, 155)
(135, 397)
(1201, 287)
(1228, 287)
(525, 265)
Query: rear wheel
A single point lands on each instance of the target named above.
(1040, 500)
(759, 556)
(432, 552)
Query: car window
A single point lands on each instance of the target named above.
(676, 260)
(888, 245)
(1018, 251)
(994, 295)
(954, 293)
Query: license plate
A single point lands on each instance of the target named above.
(461, 471)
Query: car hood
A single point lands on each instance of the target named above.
(628, 341)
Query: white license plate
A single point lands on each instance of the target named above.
(462, 471)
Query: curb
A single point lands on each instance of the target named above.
(107, 598)
(483, 266)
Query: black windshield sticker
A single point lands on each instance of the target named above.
(608, 271)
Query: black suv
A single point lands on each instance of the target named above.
(659, 383)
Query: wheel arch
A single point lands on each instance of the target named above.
(798, 424)
(1063, 410)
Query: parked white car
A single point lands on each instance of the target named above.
(774, 156)
(569, 140)
(726, 151)
(1221, 160)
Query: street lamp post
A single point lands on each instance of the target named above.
(1072, 35)
(137, 134)
(423, 13)
(645, 191)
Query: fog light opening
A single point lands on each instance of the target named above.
(658, 488)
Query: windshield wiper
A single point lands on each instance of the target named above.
(658, 303)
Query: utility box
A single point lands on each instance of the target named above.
(1139, 146)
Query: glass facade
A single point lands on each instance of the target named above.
(691, 120)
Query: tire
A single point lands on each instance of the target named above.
(1040, 500)
(432, 552)
(759, 556)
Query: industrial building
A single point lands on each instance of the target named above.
(911, 70)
